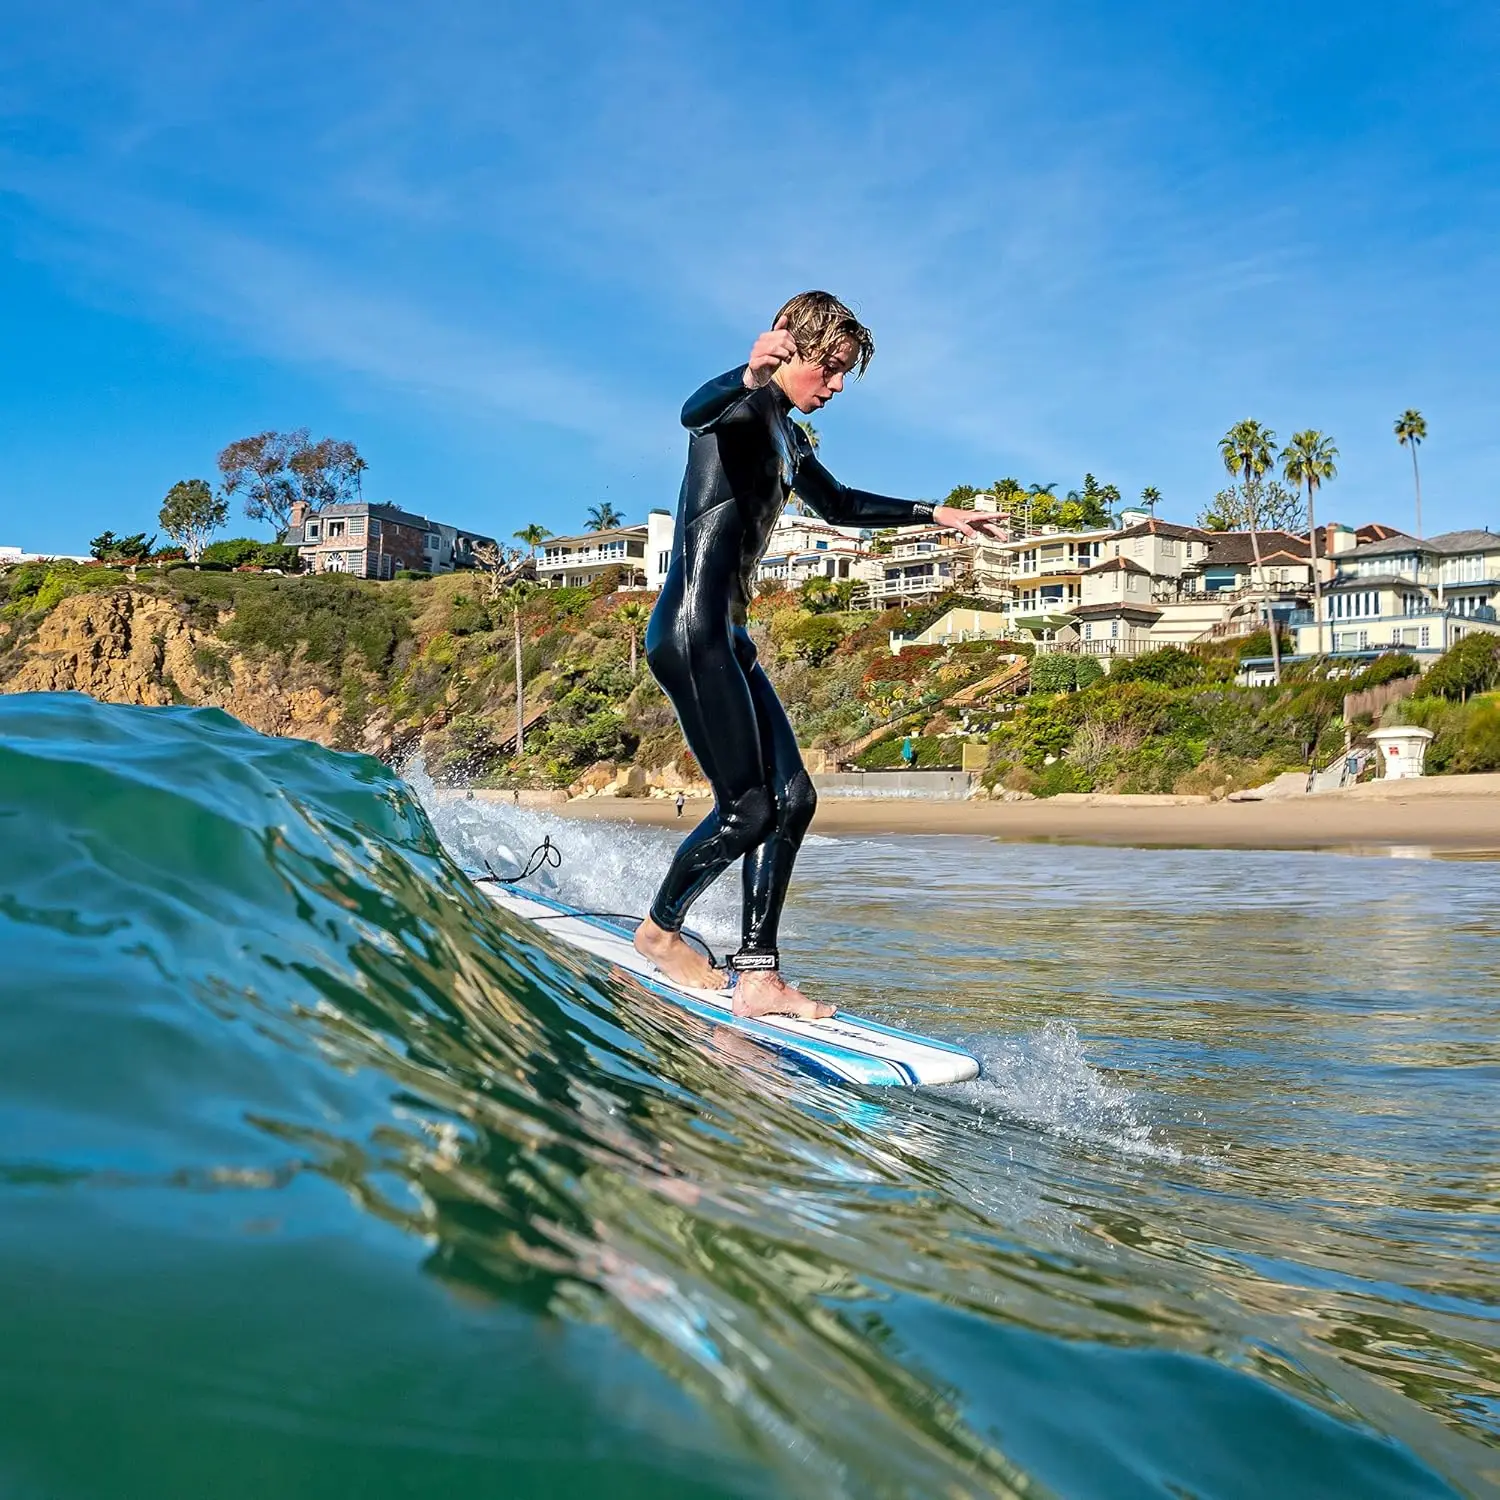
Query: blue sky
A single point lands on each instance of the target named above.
(497, 245)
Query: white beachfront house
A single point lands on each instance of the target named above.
(1045, 576)
(801, 547)
(1405, 594)
(643, 553)
(1136, 597)
(919, 565)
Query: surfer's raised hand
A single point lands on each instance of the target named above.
(973, 523)
(767, 355)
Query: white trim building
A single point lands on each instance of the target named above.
(1403, 594)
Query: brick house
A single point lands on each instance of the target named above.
(377, 541)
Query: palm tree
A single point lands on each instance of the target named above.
(808, 428)
(514, 596)
(533, 536)
(1043, 496)
(1248, 451)
(604, 517)
(633, 614)
(1411, 427)
(1308, 460)
(1151, 498)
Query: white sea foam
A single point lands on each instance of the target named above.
(605, 866)
(1044, 1079)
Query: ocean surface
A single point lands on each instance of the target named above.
(320, 1177)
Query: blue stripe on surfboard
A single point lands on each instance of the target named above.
(810, 1050)
(864, 1021)
(605, 925)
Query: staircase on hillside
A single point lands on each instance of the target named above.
(1014, 678)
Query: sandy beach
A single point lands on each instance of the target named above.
(1439, 816)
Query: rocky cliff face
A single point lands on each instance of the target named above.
(128, 647)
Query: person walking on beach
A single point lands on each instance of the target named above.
(681, 801)
(745, 456)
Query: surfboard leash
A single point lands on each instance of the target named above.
(547, 855)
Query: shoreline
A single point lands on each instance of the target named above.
(1404, 821)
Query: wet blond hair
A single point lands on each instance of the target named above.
(820, 324)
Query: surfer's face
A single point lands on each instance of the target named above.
(812, 384)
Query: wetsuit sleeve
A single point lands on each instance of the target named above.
(723, 399)
(840, 506)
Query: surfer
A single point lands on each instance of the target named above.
(745, 456)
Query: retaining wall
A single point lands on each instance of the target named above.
(943, 786)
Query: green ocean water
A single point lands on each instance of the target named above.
(321, 1177)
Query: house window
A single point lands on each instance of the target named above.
(430, 541)
(356, 525)
(335, 529)
(311, 533)
(374, 526)
(1114, 629)
(1088, 630)
(663, 561)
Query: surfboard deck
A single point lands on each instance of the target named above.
(844, 1047)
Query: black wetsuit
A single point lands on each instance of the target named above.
(745, 456)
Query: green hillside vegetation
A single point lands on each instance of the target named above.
(428, 664)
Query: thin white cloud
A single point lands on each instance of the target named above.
(1068, 265)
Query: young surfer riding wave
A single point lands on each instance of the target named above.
(745, 456)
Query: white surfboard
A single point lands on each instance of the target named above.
(843, 1047)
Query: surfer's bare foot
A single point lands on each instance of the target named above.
(763, 992)
(676, 957)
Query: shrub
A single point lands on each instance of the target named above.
(1384, 669)
(930, 753)
(815, 638)
(913, 663)
(328, 614)
(1479, 745)
(1469, 666)
(469, 616)
(1056, 672)
(1171, 665)
(1039, 728)
(40, 587)
(278, 555)
(234, 552)
(1466, 736)
(1059, 777)
(1259, 644)
(1087, 671)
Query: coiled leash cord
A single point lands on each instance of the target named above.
(547, 855)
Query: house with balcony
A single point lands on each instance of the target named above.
(801, 547)
(371, 540)
(1116, 615)
(1399, 593)
(919, 565)
(577, 561)
(1139, 598)
(1229, 563)
(1046, 576)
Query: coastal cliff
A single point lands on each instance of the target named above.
(127, 646)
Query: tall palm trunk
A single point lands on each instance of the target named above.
(1416, 475)
(632, 651)
(1312, 542)
(1253, 499)
(520, 686)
